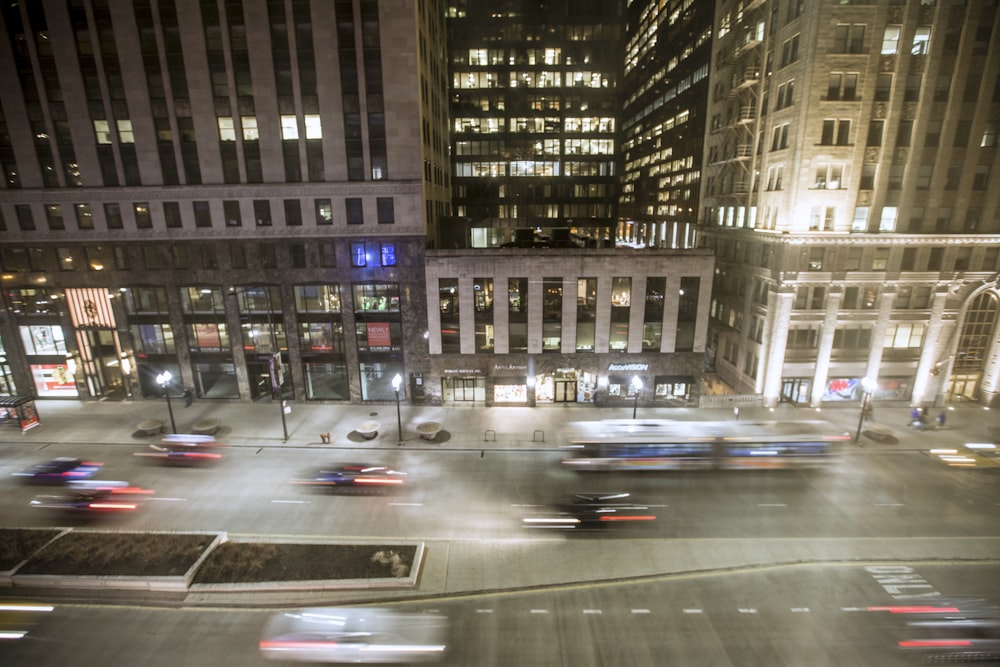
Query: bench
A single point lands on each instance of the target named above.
(368, 429)
(206, 427)
(428, 430)
(878, 432)
(151, 426)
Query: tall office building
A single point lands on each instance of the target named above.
(851, 197)
(534, 105)
(664, 95)
(235, 192)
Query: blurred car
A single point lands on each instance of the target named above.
(360, 476)
(954, 640)
(184, 449)
(355, 635)
(971, 455)
(589, 510)
(59, 471)
(93, 498)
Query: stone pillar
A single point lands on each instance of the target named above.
(878, 335)
(775, 343)
(939, 344)
(822, 374)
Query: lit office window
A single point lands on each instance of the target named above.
(289, 127)
(102, 130)
(125, 132)
(227, 129)
(250, 131)
(314, 129)
(890, 40)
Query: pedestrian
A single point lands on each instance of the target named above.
(940, 420)
(915, 417)
(188, 397)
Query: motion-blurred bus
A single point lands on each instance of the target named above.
(661, 444)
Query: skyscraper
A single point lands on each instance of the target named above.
(850, 195)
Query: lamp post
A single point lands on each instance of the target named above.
(126, 367)
(637, 386)
(163, 379)
(397, 381)
(867, 387)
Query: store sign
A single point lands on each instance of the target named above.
(462, 371)
(53, 380)
(510, 367)
(627, 368)
(379, 335)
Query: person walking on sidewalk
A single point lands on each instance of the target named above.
(941, 418)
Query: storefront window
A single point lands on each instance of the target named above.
(652, 327)
(146, 301)
(43, 339)
(153, 338)
(208, 337)
(326, 382)
(552, 301)
(376, 381)
(33, 301)
(216, 380)
(379, 336)
(621, 300)
(317, 298)
(482, 294)
(451, 338)
(202, 300)
(586, 313)
(263, 337)
(376, 297)
(517, 314)
(510, 390)
(322, 337)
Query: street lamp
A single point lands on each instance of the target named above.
(163, 379)
(867, 387)
(396, 382)
(637, 387)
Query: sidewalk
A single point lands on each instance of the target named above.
(463, 426)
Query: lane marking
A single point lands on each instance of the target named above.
(747, 610)
(592, 611)
(291, 502)
(800, 610)
(175, 500)
(539, 611)
(406, 504)
(641, 611)
(890, 504)
(772, 505)
(484, 611)
(693, 611)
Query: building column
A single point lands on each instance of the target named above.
(776, 344)
(939, 347)
(878, 335)
(825, 347)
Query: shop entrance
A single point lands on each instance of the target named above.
(565, 391)
(463, 389)
(795, 390)
(558, 387)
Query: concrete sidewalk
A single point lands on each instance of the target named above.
(462, 425)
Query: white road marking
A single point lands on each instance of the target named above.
(592, 611)
(175, 500)
(799, 610)
(539, 611)
(292, 502)
(890, 504)
(406, 504)
(641, 611)
(693, 611)
(747, 610)
(484, 611)
(772, 505)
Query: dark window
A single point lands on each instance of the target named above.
(293, 213)
(172, 215)
(386, 210)
(355, 211)
(231, 209)
(113, 216)
(202, 214)
(262, 212)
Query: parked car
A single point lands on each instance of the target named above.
(59, 471)
(355, 635)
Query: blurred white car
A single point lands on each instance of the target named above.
(354, 635)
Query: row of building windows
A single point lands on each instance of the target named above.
(531, 79)
(156, 257)
(232, 210)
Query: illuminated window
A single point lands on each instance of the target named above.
(921, 41)
(250, 132)
(125, 132)
(289, 127)
(227, 130)
(888, 221)
(103, 131)
(313, 128)
(890, 40)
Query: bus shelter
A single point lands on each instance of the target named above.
(19, 411)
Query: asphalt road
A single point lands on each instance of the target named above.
(790, 615)
(467, 494)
